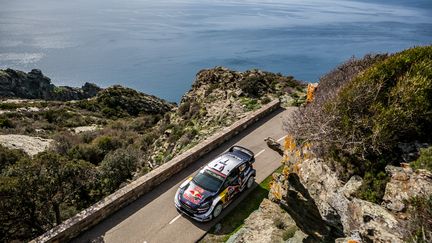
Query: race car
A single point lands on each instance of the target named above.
(204, 196)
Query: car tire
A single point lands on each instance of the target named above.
(217, 210)
(250, 182)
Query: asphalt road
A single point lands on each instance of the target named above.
(153, 217)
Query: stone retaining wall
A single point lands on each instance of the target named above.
(129, 193)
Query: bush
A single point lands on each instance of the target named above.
(10, 156)
(364, 110)
(9, 106)
(87, 152)
(425, 159)
(39, 193)
(265, 100)
(420, 225)
(253, 86)
(183, 108)
(373, 187)
(117, 167)
(6, 123)
(250, 104)
(106, 143)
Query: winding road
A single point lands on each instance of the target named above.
(153, 218)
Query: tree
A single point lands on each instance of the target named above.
(117, 167)
(34, 192)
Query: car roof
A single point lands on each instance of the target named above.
(225, 163)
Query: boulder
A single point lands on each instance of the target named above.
(30, 145)
(404, 184)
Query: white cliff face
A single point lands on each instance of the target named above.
(30, 145)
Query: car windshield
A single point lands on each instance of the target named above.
(208, 180)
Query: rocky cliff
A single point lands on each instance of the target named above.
(34, 85)
(326, 208)
(357, 158)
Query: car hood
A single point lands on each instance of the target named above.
(194, 194)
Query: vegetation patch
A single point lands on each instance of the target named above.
(425, 159)
(136, 133)
(364, 109)
(420, 225)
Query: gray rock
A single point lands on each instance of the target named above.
(268, 224)
(404, 184)
(34, 85)
(315, 197)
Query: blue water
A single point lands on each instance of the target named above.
(158, 46)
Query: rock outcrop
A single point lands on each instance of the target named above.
(34, 85)
(30, 145)
(314, 196)
(405, 183)
(268, 224)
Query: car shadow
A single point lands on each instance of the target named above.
(95, 233)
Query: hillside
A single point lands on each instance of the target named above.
(357, 159)
(99, 144)
(357, 162)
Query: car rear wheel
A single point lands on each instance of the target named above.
(217, 210)
(250, 182)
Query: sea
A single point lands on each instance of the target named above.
(158, 46)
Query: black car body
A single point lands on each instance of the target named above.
(203, 196)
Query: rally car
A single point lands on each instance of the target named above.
(214, 187)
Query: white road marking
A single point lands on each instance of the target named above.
(174, 219)
(282, 138)
(260, 152)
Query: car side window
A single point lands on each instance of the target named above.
(242, 169)
(232, 178)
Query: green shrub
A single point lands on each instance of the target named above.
(10, 156)
(9, 106)
(364, 110)
(420, 225)
(373, 187)
(425, 159)
(183, 108)
(265, 100)
(117, 167)
(289, 233)
(250, 104)
(87, 152)
(6, 123)
(39, 193)
(253, 86)
(279, 223)
(106, 143)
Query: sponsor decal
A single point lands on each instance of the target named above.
(194, 195)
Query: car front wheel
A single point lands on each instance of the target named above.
(217, 210)
(250, 182)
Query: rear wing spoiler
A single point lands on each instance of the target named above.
(241, 149)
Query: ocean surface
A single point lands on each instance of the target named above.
(157, 46)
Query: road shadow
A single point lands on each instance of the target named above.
(95, 234)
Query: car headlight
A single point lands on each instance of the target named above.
(204, 207)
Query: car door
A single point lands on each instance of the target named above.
(232, 185)
(243, 170)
